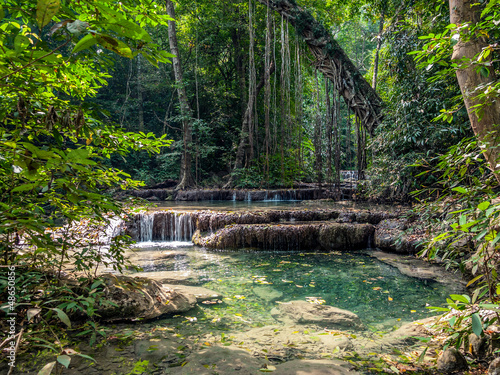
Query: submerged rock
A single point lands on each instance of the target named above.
(327, 316)
(420, 269)
(137, 298)
(218, 360)
(267, 293)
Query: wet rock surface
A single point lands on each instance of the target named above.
(135, 298)
(420, 269)
(311, 313)
(299, 236)
(201, 294)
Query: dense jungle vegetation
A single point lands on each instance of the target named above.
(101, 96)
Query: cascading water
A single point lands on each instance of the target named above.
(146, 227)
(165, 226)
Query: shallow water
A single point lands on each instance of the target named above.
(378, 293)
(271, 205)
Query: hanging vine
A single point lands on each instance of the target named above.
(267, 93)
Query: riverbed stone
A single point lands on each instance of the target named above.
(494, 368)
(327, 316)
(155, 350)
(314, 367)
(219, 360)
(202, 294)
(420, 269)
(141, 298)
(451, 360)
(185, 277)
(267, 293)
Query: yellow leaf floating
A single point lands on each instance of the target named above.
(377, 288)
(413, 311)
(389, 298)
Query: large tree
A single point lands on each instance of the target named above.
(484, 114)
(186, 177)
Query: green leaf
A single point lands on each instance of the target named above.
(460, 298)
(2, 13)
(128, 29)
(85, 356)
(477, 326)
(21, 42)
(45, 10)
(77, 154)
(485, 72)
(460, 190)
(483, 205)
(62, 315)
(24, 187)
(64, 360)
(114, 45)
(474, 280)
(47, 369)
(84, 43)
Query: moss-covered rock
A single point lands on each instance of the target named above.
(136, 298)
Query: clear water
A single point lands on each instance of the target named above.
(378, 293)
(228, 205)
(271, 205)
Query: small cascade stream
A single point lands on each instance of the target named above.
(165, 226)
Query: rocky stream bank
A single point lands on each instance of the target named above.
(153, 324)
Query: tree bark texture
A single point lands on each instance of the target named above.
(333, 63)
(487, 129)
(186, 177)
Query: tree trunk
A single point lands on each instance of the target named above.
(377, 52)
(333, 63)
(186, 177)
(318, 154)
(139, 94)
(243, 147)
(487, 129)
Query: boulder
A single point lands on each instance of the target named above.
(451, 360)
(327, 316)
(135, 298)
(201, 294)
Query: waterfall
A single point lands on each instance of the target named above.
(165, 226)
(234, 197)
(146, 227)
(249, 197)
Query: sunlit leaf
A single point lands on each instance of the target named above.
(45, 10)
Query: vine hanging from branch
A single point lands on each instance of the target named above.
(333, 62)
